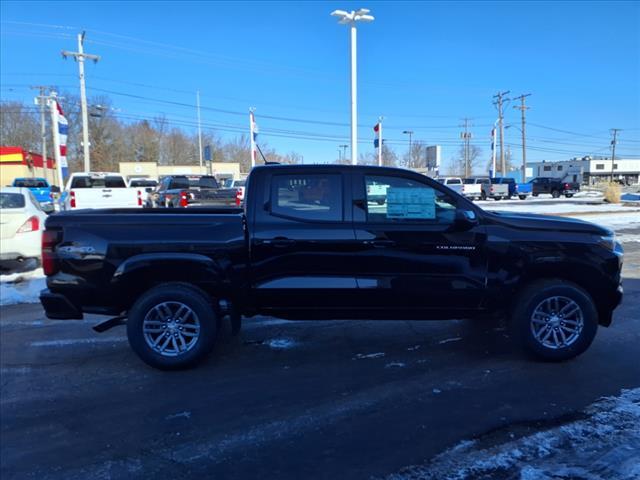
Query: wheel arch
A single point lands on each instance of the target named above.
(140, 273)
(581, 275)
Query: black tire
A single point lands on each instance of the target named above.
(483, 196)
(522, 197)
(555, 194)
(534, 194)
(568, 195)
(173, 294)
(497, 199)
(522, 323)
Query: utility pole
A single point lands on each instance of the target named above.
(522, 109)
(42, 100)
(199, 130)
(466, 137)
(614, 132)
(80, 56)
(410, 133)
(499, 102)
(344, 150)
(380, 141)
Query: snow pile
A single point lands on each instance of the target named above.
(605, 445)
(21, 287)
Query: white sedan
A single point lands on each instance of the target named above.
(21, 225)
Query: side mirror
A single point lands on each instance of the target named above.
(55, 189)
(465, 219)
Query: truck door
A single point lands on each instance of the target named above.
(302, 244)
(412, 256)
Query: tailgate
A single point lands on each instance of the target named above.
(211, 196)
(105, 197)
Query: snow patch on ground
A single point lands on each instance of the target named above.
(22, 287)
(77, 341)
(627, 238)
(603, 446)
(395, 365)
(361, 356)
(280, 343)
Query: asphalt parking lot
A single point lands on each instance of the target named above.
(289, 400)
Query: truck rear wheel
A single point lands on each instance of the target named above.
(172, 326)
(553, 320)
(522, 197)
(555, 194)
(568, 195)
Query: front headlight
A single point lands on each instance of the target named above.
(611, 243)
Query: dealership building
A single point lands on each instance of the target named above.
(590, 170)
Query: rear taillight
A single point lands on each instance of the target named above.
(491, 189)
(238, 197)
(566, 186)
(31, 225)
(184, 199)
(50, 238)
(72, 199)
(139, 198)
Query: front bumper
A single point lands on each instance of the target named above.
(58, 307)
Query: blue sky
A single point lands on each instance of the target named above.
(423, 66)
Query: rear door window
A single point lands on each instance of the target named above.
(393, 199)
(11, 200)
(314, 197)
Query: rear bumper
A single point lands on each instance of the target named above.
(58, 307)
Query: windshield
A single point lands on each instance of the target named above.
(203, 182)
(98, 182)
(143, 183)
(30, 183)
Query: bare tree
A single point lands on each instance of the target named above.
(19, 126)
(457, 166)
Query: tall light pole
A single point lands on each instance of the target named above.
(80, 56)
(410, 133)
(350, 18)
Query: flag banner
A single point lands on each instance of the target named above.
(376, 140)
(63, 131)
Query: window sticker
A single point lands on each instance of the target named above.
(411, 203)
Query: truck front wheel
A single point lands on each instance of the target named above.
(553, 320)
(555, 194)
(172, 326)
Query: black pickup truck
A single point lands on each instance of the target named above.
(553, 186)
(310, 244)
(193, 190)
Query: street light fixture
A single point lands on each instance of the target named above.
(351, 18)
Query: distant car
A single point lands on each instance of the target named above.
(553, 186)
(454, 183)
(42, 191)
(99, 190)
(472, 189)
(21, 225)
(181, 191)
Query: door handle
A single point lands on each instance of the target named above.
(379, 243)
(277, 242)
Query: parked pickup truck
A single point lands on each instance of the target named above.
(99, 190)
(42, 191)
(490, 188)
(553, 186)
(194, 190)
(310, 244)
(454, 183)
(471, 189)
